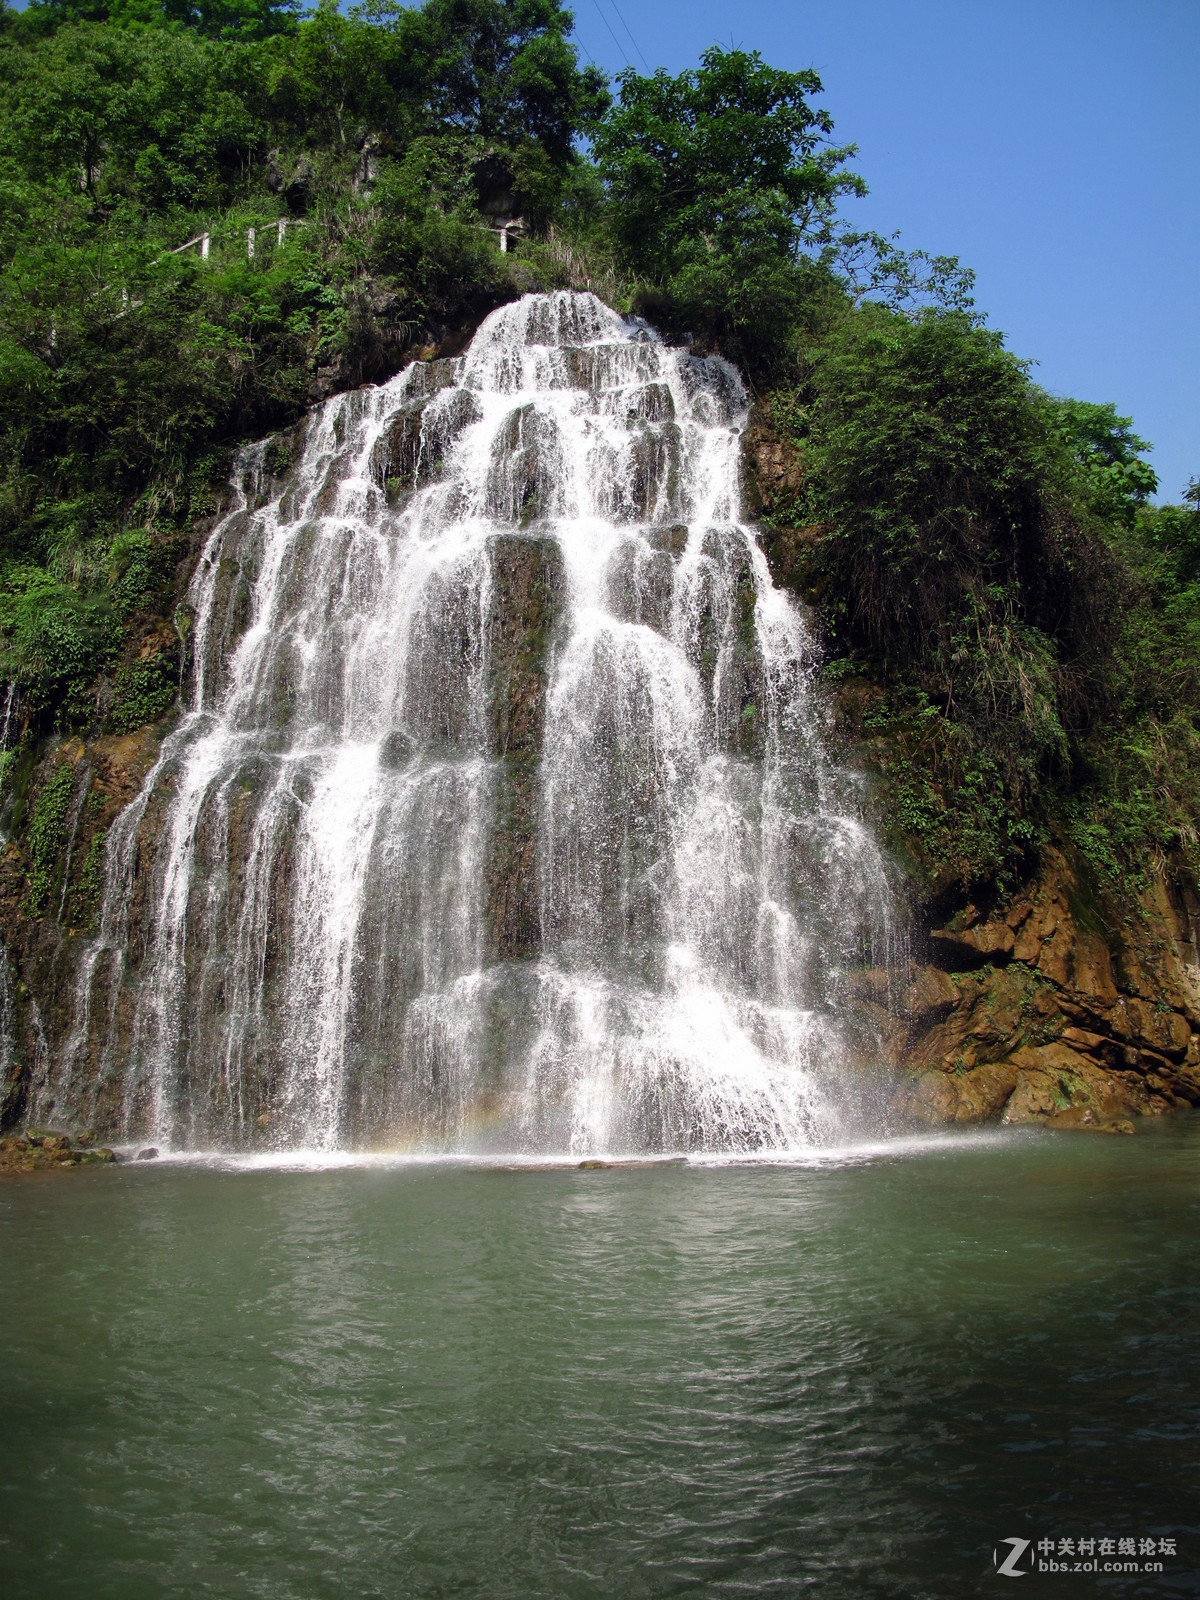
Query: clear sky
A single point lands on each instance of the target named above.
(1053, 145)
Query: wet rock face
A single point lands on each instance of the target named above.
(412, 449)
(525, 477)
(236, 570)
(44, 943)
(713, 388)
(1045, 1012)
(641, 585)
(653, 491)
(526, 598)
(513, 887)
(773, 473)
(724, 641)
(651, 402)
(525, 619)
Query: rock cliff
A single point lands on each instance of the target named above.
(1055, 1008)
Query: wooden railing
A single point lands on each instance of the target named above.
(204, 240)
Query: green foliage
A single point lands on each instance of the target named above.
(278, 457)
(55, 643)
(225, 19)
(129, 568)
(230, 19)
(1108, 453)
(873, 268)
(1140, 803)
(718, 178)
(47, 833)
(129, 367)
(427, 233)
(90, 885)
(989, 553)
(144, 691)
(951, 792)
(925, 448)
(1137, 793)
(505, 69)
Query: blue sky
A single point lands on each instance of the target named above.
(1054, 147)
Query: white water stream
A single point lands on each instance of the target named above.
(500, 817)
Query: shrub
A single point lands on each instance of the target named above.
(47, 834)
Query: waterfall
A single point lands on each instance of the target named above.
(5, 794)
(501, 816)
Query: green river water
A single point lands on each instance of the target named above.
(849, 1377)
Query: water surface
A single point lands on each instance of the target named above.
(849, 1378)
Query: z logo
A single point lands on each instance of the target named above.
(1008, 1568)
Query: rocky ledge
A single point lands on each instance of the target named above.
(37, 1149)
(1044, 1011)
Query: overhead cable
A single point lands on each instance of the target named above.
(615, 40)
(632, 40)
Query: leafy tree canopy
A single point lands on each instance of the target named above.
(219, 19)
(1110, 456)
(718, 178)
(927, 448)
(504, 68)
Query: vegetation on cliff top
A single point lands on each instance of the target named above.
(988, 555)
(337, 167)
(1014, 628)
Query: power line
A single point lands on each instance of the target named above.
(632, 40)
(615, 40)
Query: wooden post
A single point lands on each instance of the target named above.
(281, 227)
(250, 236)
(204, 247)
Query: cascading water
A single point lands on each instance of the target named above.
(501, 817)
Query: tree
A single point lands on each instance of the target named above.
(874, 268)
(503, 70)
(1109, 454)
(234, 19)
(329, 74)
(149, 115)
(219, 19)
(925, 448)
(719, 179)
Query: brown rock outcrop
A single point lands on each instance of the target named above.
(37, 1150)
(1050, 1010)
